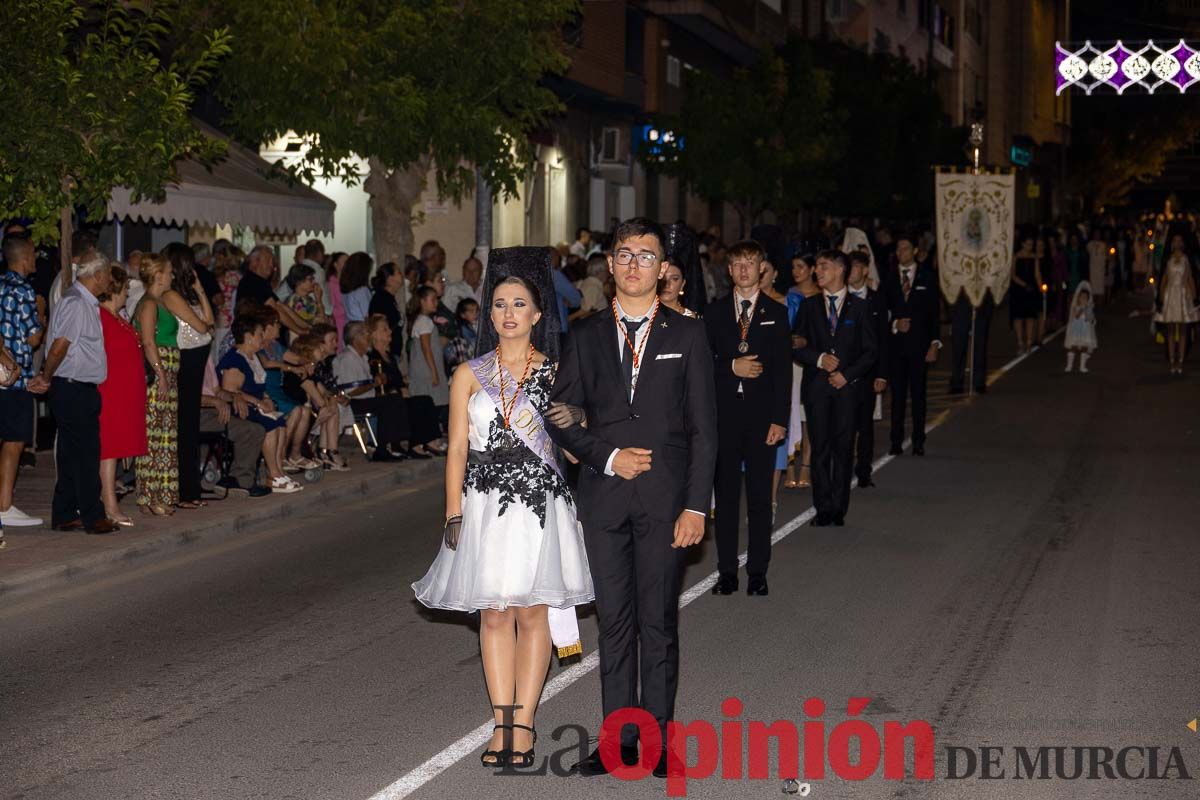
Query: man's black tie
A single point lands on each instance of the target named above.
(833, 318)
(631, 326)
(745, 310)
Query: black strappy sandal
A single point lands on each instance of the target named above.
(499, 758)
(522, 759)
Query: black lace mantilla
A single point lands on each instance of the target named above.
(518, 480)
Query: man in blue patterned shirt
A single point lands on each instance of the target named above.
(21, 331)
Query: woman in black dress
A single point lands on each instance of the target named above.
(387, 283)
(1024, 298)
(424, 430)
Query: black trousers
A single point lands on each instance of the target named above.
(191, 385)
(76, 409)
(744, 442)
(864, 431)
(960, 328)
(391, 417)
(909, 377)
(830, 418)
(636, 574)
(423, 419)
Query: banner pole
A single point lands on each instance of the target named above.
(971, 355)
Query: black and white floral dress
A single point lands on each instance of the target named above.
(521, 543)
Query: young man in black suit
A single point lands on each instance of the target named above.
(642, 375)
(912, 298)
(751, 344)
(873, 383)
(837, 345)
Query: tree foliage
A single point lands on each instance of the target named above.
(403, 84)
(893, 130)
(1121, 143)
(760, 138)
(817, 125)
(92, 103)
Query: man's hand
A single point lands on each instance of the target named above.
(932, 355)
(564, 415)
(829, 362)
(747, 367)
(903, 325)
(775, 434)
(266, 405)
(240, 407)
(837, 380)
(381, 380)
(222, 410)
(37, 384)
(880, 385)
(631, 462)
(689, 529)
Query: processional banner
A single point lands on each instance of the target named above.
(974, 234)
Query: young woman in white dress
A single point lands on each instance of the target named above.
(1177, 302)
(512, 546)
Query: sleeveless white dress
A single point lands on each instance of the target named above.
(521, 543)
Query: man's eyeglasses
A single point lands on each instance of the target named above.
(645, 259)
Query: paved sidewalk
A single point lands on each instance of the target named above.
(38, 558)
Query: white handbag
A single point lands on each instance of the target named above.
(188, 337)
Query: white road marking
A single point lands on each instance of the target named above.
(468, 744)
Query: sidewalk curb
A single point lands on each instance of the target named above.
(409, 478)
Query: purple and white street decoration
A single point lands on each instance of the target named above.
(1150, 66)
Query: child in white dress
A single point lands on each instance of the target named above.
(1081, 329)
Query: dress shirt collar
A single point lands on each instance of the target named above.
(860, 293)
(840, 295)
(621, 312)
(85, 294)
(737, 301)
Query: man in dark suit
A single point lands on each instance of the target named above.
(912, 298)
(751, 344)
(642, 376)
(837, 345)
(873, 383)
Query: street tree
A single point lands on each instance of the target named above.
(758, 138)
(406, 85)
(892, 129)
(91, 102)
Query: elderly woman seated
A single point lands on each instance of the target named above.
(243, 375)
(364, 387)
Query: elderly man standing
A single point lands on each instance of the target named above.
(256, 285)
(471, 285)
(75, 366)
(21, 330)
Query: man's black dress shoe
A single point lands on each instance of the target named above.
(726, 584)
(660, 769)
(594, 765)
(918, 449)
(896, 450)
(839, 522)
(821, 521)
(74, 525)
(865, 483)
(757, 586)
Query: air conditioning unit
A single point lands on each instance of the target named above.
(610, 146)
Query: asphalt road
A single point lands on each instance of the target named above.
(1032, 582)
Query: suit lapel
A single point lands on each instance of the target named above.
(654, 345)
(610, 356)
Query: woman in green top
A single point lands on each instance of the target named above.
(158, 470)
